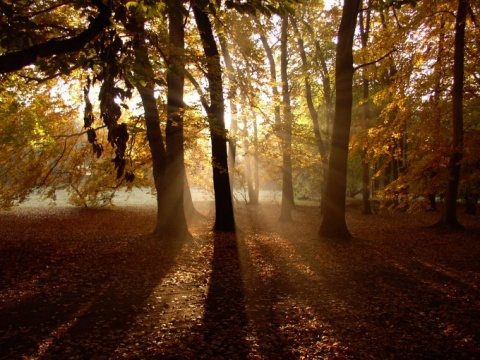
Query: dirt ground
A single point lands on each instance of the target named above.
(79, 284)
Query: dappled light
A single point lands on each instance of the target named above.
(273, 290)
(239, 179)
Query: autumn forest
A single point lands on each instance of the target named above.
(313, 169)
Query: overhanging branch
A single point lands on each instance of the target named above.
(19, 59)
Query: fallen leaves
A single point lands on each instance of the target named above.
(77, 284)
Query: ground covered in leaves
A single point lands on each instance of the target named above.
(78, 284)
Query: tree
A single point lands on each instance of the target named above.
(168, 156)
(224, 218)
(449, 218)
(16, 60)
(288, 202)
(174, 182)
(146, 87)
(309, 97)
(333, 223)
(364, 33)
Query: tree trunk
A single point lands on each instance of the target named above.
(173, 202)
(251, 174)
(471, 201)
(232, 139)
(321, 147)
(167, 158)
(437, 112)
(364, 33)
(224, 218)
(273, 79)
(143, 70)
(449, 218)
(286, 130)
(190, 211)
(334, 223)
(256, 176)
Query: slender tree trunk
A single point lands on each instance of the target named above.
(364, 33)
(449, 219)
(224, 218)
(322, 149)
(273, 79)
(437, 111)
(286, 130)
(251, 173)
(256, 176)
(326, 85)
(334, 223)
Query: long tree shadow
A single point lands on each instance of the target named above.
(225, 321)
(349, 300)
(406, 310)
(84, 309)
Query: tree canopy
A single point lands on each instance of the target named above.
(87, 101)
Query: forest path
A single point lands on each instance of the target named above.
(81, 284)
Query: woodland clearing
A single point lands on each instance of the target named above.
(92, 284)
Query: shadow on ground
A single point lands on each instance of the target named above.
(273, 291)
(76, 297)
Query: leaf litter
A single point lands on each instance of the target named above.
(79, 284)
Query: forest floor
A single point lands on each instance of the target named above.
(77, 284)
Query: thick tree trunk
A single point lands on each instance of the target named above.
(224, 218)
(190, 211)
(334, 223)
(167, 159)
(286, 130)
(471, 201)
(449, 218)
(232, 139)
(143, 70)
(173, 202)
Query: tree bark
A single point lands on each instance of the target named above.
(334, 223)
(19, 59)
(449, 219)
(224, 217)
(321, 147)
(364, 33)
(232, 139)
(286, 130)
(251, 174)
(173, 202)
(167, 157)
(144, 71)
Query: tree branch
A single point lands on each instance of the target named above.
(375, 61)
(29, 56)
(196, 85)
